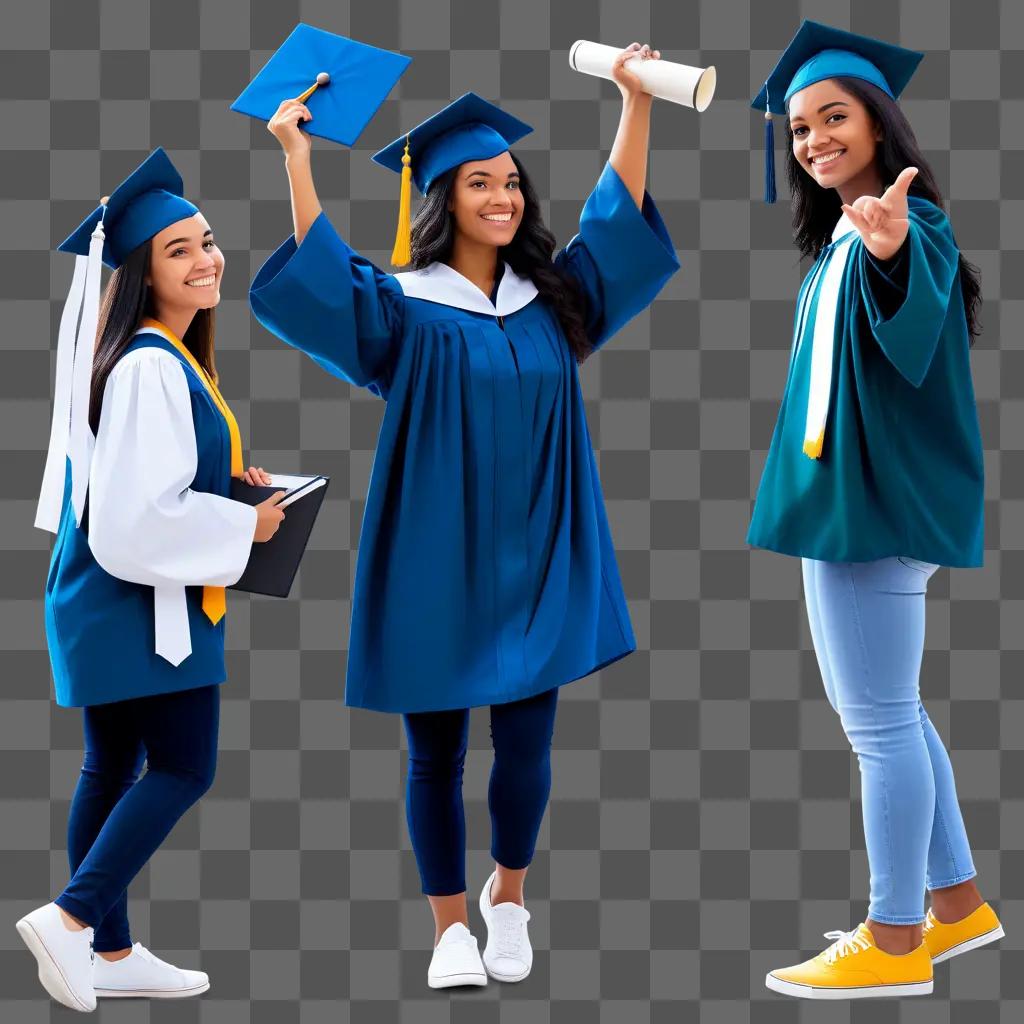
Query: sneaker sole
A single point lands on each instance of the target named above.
(790, 988)
(508, 977)
(50, 975)
(968, 944)
(452, 980)
(151, 993)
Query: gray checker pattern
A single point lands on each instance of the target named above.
(705, 819)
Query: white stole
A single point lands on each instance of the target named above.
(826, 280)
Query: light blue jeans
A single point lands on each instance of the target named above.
(868, 623)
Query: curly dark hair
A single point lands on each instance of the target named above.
(816, 209)
(528, 254)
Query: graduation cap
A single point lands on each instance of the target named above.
(147, 201)
(470, 128)
(818, 52)
(342, 81)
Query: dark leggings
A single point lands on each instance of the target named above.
(516, 796)
(117, 823)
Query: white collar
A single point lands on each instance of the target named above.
(440, 283)
(843, 225)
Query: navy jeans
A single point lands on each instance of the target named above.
(117, 820)
(517, 794)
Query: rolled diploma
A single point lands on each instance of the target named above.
(679, 83)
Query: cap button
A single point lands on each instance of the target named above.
(323, 78)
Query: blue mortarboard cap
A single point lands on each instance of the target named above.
(147, 201)
(342, 81)
(470, 128)
(818, 52)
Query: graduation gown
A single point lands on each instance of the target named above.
(486, 570)
(158, 525)
(901, 471)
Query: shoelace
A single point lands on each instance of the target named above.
(140, 950)
(845, 943)
(929, 923)
(509, 940)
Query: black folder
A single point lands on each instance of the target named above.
(274, 563)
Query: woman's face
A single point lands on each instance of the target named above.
(486, 200)
(186, 266)
(834, 136)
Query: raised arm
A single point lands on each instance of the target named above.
(315, 292)
(629, 150)
(297, 145)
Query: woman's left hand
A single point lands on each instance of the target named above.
(256, 476)
(883, 222)
(626, 80)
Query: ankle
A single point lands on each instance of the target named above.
(955, 902)
(508, 895)
(112, 956)
(71, 923)
(896, 940)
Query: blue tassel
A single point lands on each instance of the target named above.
(769, 159)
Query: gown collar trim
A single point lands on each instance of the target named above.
(440, 283)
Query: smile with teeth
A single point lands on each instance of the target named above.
(500, 218)
(827, 157)
(202, 282)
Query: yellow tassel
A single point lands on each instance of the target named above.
(812, 449)
(401, 254)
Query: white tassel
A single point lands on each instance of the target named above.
(51, 494)
(81, 437)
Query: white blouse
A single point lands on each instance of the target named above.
(145, 523)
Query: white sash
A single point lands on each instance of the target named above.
(827, 280)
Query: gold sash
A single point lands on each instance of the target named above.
(214, 603)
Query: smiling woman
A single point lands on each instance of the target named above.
(874, 478)
(486, 573)
(135, 593)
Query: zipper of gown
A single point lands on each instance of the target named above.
(511, 347)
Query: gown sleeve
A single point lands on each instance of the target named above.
(333, 304)
(621, 257)
(145, 523)
(907, 298)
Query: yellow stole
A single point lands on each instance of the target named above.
(214, 603)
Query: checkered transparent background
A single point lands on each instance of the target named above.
(705, 819)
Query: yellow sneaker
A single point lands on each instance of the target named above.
(853, 967)
(948, 940)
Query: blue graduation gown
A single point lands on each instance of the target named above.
(901, 471)
(486, 570)
(100, 628)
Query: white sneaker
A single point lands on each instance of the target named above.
(141, 974)
(64, 956)
(456, 959)
(508, 955)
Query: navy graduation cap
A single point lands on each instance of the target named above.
(469, 128)
(342, 81)
(147, 201)
(818, 52)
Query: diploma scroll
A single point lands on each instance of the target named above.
(679, 83)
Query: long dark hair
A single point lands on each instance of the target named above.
(816, 209)
(528, 254)
(127, 301)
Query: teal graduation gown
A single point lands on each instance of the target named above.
(901, 471)
(486, 571)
